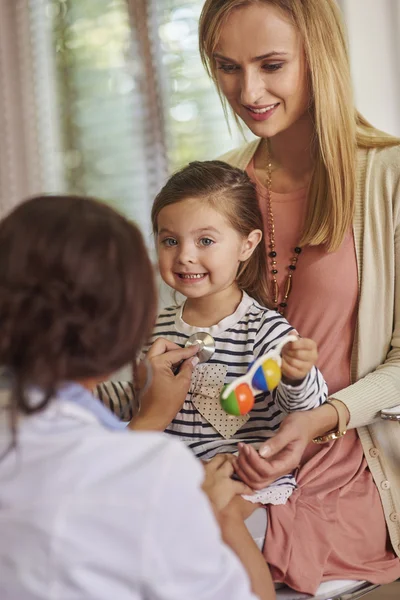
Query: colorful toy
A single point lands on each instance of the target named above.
(264, 375)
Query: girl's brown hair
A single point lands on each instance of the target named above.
(339, 128)
(229, 191)
(77, 298)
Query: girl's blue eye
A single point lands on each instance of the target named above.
(206, 242)
(169, 242)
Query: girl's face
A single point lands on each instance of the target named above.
(198, 250)
(262, 70)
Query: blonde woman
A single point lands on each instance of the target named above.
(328, 186)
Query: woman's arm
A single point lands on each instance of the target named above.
(376, 391)
(283, 453)
(378, 334)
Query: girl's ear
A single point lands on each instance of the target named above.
(250, 244)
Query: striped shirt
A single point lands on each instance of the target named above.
(251, 331)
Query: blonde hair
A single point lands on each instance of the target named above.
(339, 128)
(229, 191)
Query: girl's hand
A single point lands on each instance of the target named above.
(279, 456)
(218, 483)
(167, 392)
(298, 358)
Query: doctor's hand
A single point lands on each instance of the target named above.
(218, 483)
(167, 392)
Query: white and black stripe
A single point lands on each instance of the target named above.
(251, 331)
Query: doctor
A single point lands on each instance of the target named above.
(90, 510)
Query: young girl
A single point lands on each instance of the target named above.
(87, 508)
(208, 230)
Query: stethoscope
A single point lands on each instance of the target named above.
(206, 344)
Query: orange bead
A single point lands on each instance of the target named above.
(245, 398)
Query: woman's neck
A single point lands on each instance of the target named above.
(291, 156)
(210, 310)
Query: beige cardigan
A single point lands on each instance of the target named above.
(375, 365)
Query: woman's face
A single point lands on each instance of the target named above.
(262, 70)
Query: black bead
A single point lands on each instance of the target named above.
(292, 267)
(283, 305)
(272, 254)
(297, 250)
(274, 271)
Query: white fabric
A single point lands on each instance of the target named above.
(273, 494)
(257, 525)
(88, 513)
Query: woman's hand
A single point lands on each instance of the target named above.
(279, 456)
(218, 483)
(282, 454)
(298, 358)
(167, 391)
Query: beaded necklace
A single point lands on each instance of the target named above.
(272, 254)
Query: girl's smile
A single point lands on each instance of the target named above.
(191, 278)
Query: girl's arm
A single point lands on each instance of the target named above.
(119, 397)
(302, 386)
(309, 394)
(236, 535)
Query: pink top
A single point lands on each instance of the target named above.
(321, 533)
(320, 277)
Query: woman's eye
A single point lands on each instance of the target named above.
(206, 242)
(169, 242)
(272, 67)
(227, 68)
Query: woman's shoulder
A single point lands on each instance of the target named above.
(240, 157)
(386, 158)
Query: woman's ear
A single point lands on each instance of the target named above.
(250, 244)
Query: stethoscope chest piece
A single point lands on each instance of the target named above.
(206, 345)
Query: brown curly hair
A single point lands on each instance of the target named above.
(77, 296)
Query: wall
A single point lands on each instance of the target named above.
(374, 27)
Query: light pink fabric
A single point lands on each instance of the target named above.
(333, 525)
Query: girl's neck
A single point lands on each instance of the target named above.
(210, 310)
(291, 156)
